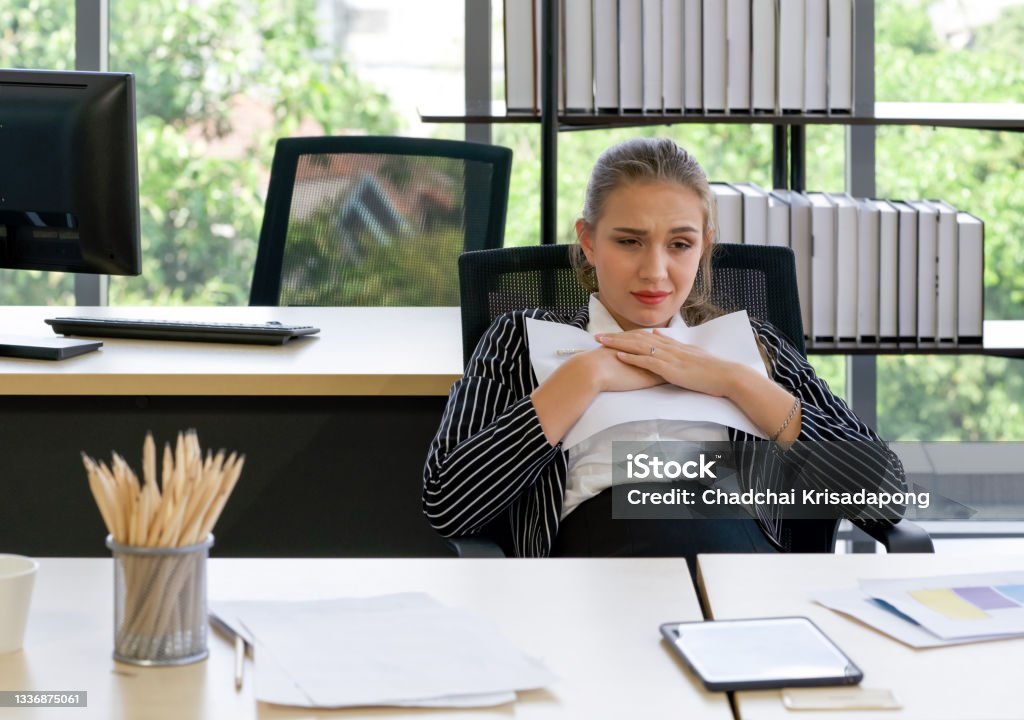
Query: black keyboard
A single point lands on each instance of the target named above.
(269, 333)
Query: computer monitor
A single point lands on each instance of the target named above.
(69, 187)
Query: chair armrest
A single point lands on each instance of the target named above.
(475, 547)
(903, 537)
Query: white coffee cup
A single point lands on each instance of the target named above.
(17, 575)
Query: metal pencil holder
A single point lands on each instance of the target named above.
(160, 603)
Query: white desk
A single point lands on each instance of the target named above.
(372, 384)
(359, 351)
(980, 680)
(593, 622)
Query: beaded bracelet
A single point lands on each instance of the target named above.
(789, 419)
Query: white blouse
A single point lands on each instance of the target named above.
(590, 461)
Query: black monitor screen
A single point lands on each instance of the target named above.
(69, 187)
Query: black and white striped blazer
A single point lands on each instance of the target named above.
(490, 459)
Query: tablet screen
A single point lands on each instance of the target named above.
(761, 653)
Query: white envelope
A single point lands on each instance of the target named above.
(729, 337)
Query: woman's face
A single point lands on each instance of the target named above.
(645, 248)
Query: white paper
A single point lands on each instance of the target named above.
(404, 649)
(729, 337)
(979, 619)
(857, 604)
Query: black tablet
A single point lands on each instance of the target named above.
(760, 653)
(45, 348)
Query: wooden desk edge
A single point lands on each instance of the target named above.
(258, 385)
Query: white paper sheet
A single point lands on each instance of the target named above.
(958, 606)
(729, 337)
(857, 604)
(403, 649)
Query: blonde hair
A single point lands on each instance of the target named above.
(649, 160)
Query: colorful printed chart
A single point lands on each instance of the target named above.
(960, 606)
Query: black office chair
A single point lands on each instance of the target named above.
(757, 278)
(760, 279)
(376, 221)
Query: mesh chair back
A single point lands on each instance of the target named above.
(376, 220)
(756, 278)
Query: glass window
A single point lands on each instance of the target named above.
(218, 81)
(956, 52)
(938, 50)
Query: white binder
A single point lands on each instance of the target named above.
(840, 56)
(868, 272)
(538, 45)
(947, 261)
(791, 44)
(971, 287)
(652, 55)
(631, 56)
(778, 221)
(715, 55)
(578, 29)
(606, 55)
(907, 239)
(737, 28)
(927, 270)
(800, 240)
(729, 201)
(755, 213)
(823, 268)
(816, 57)
(847, 260)
(672, 54)
(693, 55)
(763, 57)
(888, 273)
(520, 56)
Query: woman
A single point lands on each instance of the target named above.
(496, 465)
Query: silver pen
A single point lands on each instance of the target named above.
(242, 647)
(239, 661)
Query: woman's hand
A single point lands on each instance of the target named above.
(610, 374)
(567, 393)
(686, 366)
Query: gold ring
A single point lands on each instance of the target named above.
(652, 350)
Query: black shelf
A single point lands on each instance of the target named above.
(1002, 338)
(915, 350)
(974, 116)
